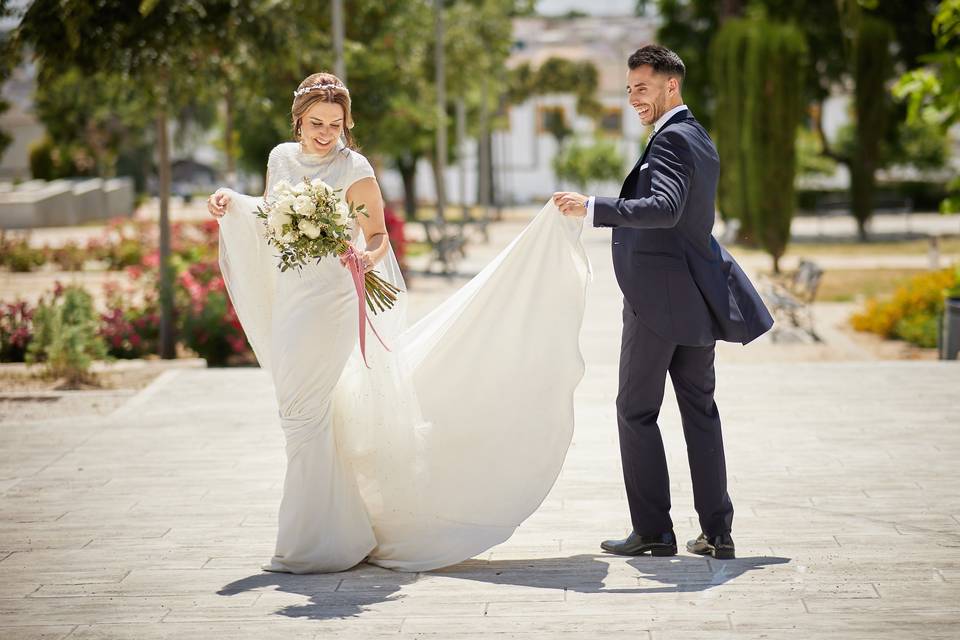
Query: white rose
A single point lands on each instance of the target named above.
(282, 187)
(303, 205)
(300, 188)
(310, 229)
(277, 219)
(320, 184)
(286, 204)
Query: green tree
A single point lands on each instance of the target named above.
(582, 164)
(871, 68)
(389, 61)
(774, 63)
(162, 48)
(9, 58)
(932, 92)
(99, 115)
(728, 57)
(835, 35)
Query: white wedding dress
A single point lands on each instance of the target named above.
(452, 437)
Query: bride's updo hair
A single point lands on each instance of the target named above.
(322, 87)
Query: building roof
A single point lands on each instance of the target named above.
(607, 42)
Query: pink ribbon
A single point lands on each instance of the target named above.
(353, 260)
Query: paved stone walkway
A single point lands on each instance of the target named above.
(152, 523)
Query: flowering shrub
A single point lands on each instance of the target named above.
(16, 330)
(17, 255)
(69, 257)
(914, 311)
(130, 326)
(124, 243)
(208, 323)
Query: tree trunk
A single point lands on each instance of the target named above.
(440, 155)
(462, 155)
(439, 185)
(167, 336)
(228, 150)
(484, 148)
(730, 9)
(407, 166)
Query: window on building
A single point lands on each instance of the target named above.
(552, 120)
(612, 120)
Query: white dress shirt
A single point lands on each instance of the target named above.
(588, 220)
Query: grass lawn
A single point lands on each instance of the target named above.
(949, 245)
(846, 285)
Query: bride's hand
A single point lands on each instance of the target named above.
(366, 261)
(217, 204)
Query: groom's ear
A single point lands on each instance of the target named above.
(674, 83)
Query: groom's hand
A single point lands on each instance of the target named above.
(571, 204)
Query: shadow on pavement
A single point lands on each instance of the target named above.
(332, 595)
(347, 594)
(586, 573)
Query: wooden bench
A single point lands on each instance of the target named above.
(791, 298)
(447, 244)
(448, 240)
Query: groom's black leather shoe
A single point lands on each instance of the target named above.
(664, 544)
(720, 547)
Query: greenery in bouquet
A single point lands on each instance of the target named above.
(310, 221)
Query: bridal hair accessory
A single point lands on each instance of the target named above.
(317, 87)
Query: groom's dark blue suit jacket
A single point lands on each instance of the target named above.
(680, 282)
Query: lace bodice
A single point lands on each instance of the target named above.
(340, 168)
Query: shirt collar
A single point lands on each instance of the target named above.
(662, 120)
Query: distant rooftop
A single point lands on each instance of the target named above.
(605, 42)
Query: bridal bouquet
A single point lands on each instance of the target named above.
(310, 221)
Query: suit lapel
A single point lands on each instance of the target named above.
(677, 117)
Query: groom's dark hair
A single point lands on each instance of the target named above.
(663, 61)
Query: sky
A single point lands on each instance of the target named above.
(593, 7)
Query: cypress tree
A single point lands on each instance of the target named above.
(728, 55)
(774, 68)
(871, 68)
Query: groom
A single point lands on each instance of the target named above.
(682, 292)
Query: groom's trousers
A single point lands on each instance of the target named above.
(645, 359)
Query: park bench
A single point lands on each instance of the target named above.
(791, 296)
(840, 204)
(448, 240)
(731, 230)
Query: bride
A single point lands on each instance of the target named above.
(457, 430)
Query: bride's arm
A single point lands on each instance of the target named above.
(218, 202)
(367, 192)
